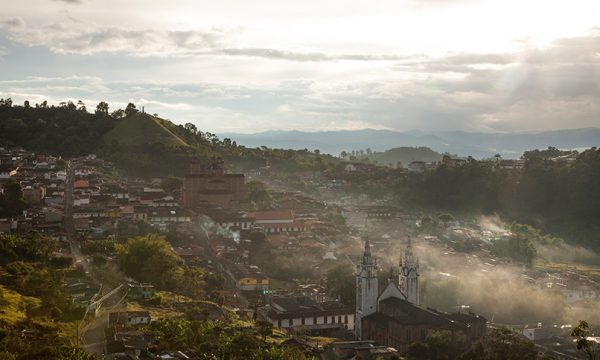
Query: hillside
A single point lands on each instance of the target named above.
(15, 306)
(142, 128)
(404, 155)
(139, 144)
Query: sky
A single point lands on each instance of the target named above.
(251, 66)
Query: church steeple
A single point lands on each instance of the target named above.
(367, 259)
(366, 287)
(408, 277)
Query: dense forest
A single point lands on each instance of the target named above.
(141, 143)
(559, 196)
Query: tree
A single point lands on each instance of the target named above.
(81, 106)
(191, 128)
(102, 108)
(69, 105)
(6, 102)
(518, 247)
(426, 223)
(258, 194)
(130, 109)
(192, 284)
(445, 218)
(502, 344)
(150, 258)
(171, 185)
(11, 200)
(341, 282)
(118, 114)
(581, 334)
(26, 104)
(439, 345)
(264, 328)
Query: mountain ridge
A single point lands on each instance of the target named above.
(462, 143)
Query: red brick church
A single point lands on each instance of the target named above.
(209, 186)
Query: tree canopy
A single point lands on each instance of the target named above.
(151, 259)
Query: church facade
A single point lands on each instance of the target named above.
(208, 186)
(393, 317)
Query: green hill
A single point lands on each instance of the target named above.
(139, 144)
(405, 155)
(141, 129)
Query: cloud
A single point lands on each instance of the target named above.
(70, 1)
(163, 105)
(279, 54)
(88, 39)
(531, 89)
(554, 87)
(441, 2)
(15, 22)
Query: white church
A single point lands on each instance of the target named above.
(367, 293)
(393, 317)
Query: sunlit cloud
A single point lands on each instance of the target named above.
(250, 67)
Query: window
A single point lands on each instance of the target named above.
(423, 334)
(339, 319)
(325, 319)
(290, 322)
(315, 320)
(279, 323)
(407, 335)
(345, 319)
(302, 320)
(333, 319)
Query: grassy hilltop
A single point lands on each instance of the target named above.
(138, 143)
(142, 128)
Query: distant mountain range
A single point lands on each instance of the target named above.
(478, 145)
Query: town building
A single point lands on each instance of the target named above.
(130, 318)
(277, 221)
(293, 313)
(207, 185)
(393, 317)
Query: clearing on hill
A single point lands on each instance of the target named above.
(142, 128)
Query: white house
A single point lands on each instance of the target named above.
(131, 318)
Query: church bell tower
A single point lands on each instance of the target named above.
(366, 288)
(408, 279)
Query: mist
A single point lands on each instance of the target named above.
(506, 294)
